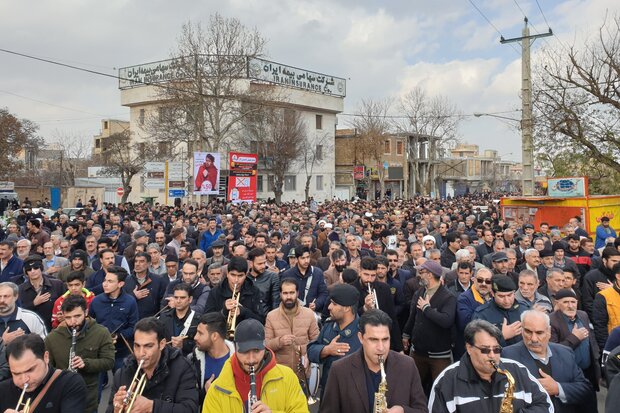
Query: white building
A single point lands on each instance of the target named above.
(318, 99)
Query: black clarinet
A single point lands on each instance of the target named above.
(252, 398)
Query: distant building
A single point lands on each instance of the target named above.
(109, 127)
(466, 170)
(318, 98)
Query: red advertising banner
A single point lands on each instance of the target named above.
(242, 177)
(358, 172)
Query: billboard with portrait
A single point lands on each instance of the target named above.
(206, 173)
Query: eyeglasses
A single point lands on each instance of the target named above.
(483, 281)
(487, 350)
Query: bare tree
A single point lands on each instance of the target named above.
(202, 106)
(15, 136)
(435, 117)
(277, 135)
(373, 126)
(125, 159)
(577, 104)
(313, 155)
(76, 155)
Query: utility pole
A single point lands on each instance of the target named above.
(527, 141)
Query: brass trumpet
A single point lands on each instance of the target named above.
(134, 390)
(22, 406)
(231, 322)
(373, 293)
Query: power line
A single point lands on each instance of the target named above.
(543, 14)
(467, 115)
(51, 104)
(492, 25)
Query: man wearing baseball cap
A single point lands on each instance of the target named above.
(503, 311)
(277, 386)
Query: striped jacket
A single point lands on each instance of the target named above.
(459, 389)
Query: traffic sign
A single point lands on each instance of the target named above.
(120, 191)
(154, 183)
(176, 193)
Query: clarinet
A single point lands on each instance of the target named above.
(252, 398)
(72, 350)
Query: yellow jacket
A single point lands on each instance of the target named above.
(280, 391)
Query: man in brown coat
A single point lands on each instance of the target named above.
(354, 380)
(290, 327)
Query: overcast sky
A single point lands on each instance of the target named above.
(384, 48)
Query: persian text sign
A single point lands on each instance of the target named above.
(298, 78)
(242, 177)
(574, 187)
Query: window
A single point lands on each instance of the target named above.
(97, 143)
(290, 182)
(319, 182)
(259, 183)
(319, 152)
(141, 116)
(319, 121)
(105, 124)
(387, 149)
(400, 147)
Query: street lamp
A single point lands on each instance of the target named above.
(527, 152)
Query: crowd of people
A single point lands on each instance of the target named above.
(383, 306)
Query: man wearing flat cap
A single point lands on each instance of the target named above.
(503, 311)
(571, 327)
(277, 386)
(338, 337)
(500, 266)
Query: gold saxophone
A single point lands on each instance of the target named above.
(381, 394)
(506, 406)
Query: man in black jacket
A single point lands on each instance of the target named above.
(26, 354)
(191, 277)
(181, 321)
(146, 288)
(599, 279)
(431, 319)
(221, 297)
(171, 384)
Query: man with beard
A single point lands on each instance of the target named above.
(17, 321)
(75, 238)
(599, 279)
(578, 255)
(267, 282)
(171, 382)
(191, 277)
(212, 350)
(366, 284)
(218, 254)
(277, 387)
(430, 323)
(333, 275)
(221, 297)
(93, 352)
(10, 265)
(310, 281)
(289, 328)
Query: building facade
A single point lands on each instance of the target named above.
(317, 98)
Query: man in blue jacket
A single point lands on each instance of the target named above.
(310, 282)
(116, 310)
(503, 311)
(10, 265)
(552, 364)
(210, 235)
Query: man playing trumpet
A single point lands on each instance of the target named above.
(35, 383)
(168, 379)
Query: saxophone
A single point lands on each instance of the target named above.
(72, 349)
(381, 394)
(506, 406)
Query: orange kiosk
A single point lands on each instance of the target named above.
(567, 198)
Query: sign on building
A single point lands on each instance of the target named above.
(573, 187)
(294, 77)
(206, 173)
(242, 177)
